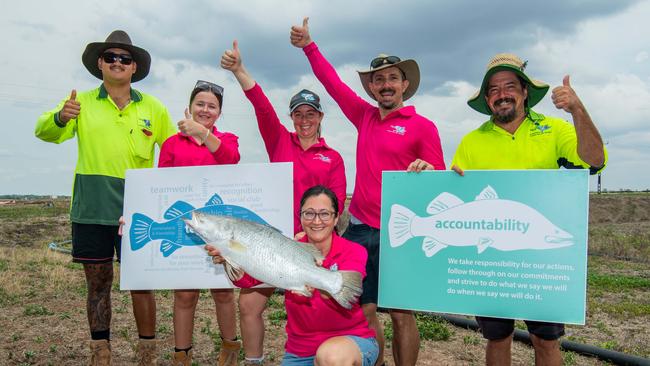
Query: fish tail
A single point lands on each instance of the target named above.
(399, 225)
(139, 233)
(350, 289)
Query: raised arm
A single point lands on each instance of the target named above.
(268, 122)
(590, 144)
(350, 103)
(231, 60)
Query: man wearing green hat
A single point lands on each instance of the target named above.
(516, 137)
(116, 128)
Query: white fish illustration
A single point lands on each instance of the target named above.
(485, 222)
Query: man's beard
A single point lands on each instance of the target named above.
(505, 116)
(387, 105)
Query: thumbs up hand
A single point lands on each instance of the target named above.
(564, 97)
(231, 59)
(71, 108)
(190, 127)
(300, 35)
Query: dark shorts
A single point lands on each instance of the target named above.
(497, 328)
(368, 237)
(95, 243)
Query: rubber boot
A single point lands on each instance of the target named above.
(182, 358)
(229, 352)
(147, 352)
(100, 352)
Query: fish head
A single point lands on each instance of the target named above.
(558, 238)
(211, 228)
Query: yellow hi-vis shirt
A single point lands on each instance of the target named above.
(540, 142)
(109, 141)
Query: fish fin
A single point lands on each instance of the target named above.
(442, 202)
(139, 231)
(304, 291)
(233, 271)
(431, 246)
(350, 289)
(399, 225)
(167, 248)
(179, 208)
(488, 193)
(214, 200)
(312, 250)
(484, 243)
(236, 246)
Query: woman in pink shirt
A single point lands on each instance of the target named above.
(314, 163)
(200, 143)
(319, 330)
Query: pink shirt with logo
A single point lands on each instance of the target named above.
(313, 320)
(182, 150)
(319, 164)
(388, 144)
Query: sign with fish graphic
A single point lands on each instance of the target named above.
(506, 244)
(160, 252)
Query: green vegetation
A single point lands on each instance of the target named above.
(277, 317)
(36, 310)
(617, 283)
(432, 327)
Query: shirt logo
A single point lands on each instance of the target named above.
(145, 126)
(398, 130)
(322, 158)
(147, 123)
(539, 129)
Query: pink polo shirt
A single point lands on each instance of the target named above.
(389, 144)
(319, 164)
(182, 150)
(313, 320)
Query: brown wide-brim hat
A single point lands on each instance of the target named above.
(409, 68)
(507, 62)
(117, 39)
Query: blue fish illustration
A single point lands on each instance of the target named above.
(173, 232)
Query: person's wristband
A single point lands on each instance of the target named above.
(207, 133)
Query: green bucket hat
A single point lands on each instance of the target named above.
(507, 62)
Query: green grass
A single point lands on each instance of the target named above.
(17, 212)
(624, 309)
(277, 317)
(617, 283)
(432, 327)
(36, 310)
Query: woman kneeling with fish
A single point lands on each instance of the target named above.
(320, 331)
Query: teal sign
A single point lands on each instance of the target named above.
(508, 244)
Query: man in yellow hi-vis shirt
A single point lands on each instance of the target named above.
(116, 128)
(516, 137)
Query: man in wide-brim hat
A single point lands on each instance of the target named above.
(391, 137)
(117, 128)
(516, 137)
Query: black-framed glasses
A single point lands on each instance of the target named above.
(111, 57)
(208, 86)
(310, 215)
(384, 60)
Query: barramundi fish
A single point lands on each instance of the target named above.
(173, 233)
(486, 222)
(268, 256)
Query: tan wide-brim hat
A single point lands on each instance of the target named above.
(507, 62)
(409, 68)
(117, 39)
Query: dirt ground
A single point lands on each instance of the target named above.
(43, 316)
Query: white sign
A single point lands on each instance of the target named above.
(159, 252)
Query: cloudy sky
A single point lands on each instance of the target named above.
(604, 45)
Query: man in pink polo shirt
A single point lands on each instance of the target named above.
(391, 137)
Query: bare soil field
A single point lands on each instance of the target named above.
(43, 316)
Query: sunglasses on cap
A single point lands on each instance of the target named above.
(208, 86)
(110, 57)
(384, 60)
